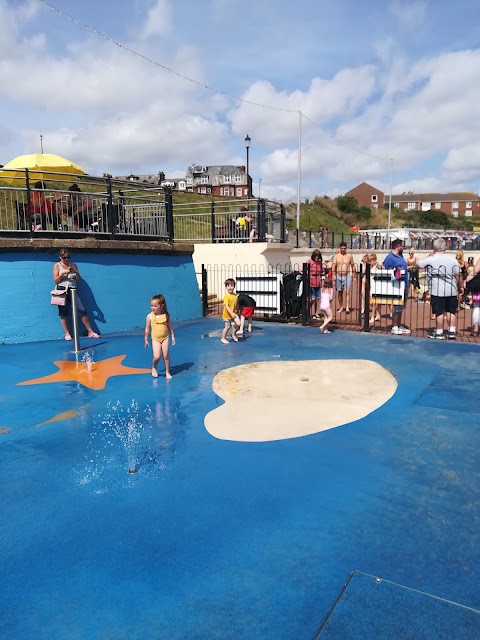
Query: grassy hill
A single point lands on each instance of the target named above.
(323, 212)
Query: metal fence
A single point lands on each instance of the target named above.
(282, 293)
(372, 241)
(252, 220)
(278, 290)
(107, 207)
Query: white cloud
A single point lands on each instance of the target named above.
(129, 141)
(342, 95)
(409, 15)
(159, 20)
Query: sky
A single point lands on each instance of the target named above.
(386, 92)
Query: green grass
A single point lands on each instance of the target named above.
(320, 213)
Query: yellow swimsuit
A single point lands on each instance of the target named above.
(159, 327)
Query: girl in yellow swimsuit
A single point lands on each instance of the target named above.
(158, 324)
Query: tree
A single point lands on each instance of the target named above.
(347, 204)
(364, 214)
(434, 219)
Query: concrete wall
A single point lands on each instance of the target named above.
(115, 288)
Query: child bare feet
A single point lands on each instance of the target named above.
(224, 341)
(234, 338)
(168, 376)
(154, 373)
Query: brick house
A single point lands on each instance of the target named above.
(463, 204)
(453, 204)
(367, 196)
(221, 180)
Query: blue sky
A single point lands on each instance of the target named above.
(375, 80)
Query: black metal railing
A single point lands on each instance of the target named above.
(372, 241)
(65, 204)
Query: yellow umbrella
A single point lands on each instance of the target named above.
(39, 166)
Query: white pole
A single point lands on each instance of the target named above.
(299, 168)
(390, 204)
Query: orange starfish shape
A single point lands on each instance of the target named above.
(95, 379)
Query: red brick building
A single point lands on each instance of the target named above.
(368, 196)
(457, 205)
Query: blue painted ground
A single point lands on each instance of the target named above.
(215, 539)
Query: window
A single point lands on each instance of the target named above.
(426, 206)
(438, 205)
(374, 198)
(209, 190)
(468, 205)
(204, 180)
(411, 206)
(189, 180)
(203, 189)
(239, 191)
(375, 206)
(221, 191)
(226, 191)
(468, 213)
(246, 192)
(454, 214)
(454, 205)
(238, 178)
(227, 179)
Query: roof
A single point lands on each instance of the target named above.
(364, 184)
(219, 169)
(435, 197)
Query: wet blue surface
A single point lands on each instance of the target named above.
(218, 539)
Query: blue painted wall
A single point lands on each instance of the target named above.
(115, 288)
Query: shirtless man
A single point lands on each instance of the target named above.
(343, 269)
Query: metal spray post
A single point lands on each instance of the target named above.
(73, 293)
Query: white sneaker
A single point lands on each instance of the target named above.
(396, 331)
(404, 331)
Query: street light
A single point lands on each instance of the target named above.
(259, 187)
(247, 147)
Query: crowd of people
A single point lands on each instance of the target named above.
(450, 283)
(59, 211)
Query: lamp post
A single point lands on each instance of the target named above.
(41, 143)
(259, 187)
(247, 147)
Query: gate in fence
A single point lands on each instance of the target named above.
(280, 291)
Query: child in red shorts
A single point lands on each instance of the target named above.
(246, 308)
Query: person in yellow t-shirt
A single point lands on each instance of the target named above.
(229, 315)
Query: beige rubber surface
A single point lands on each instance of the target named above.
(277, 400)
